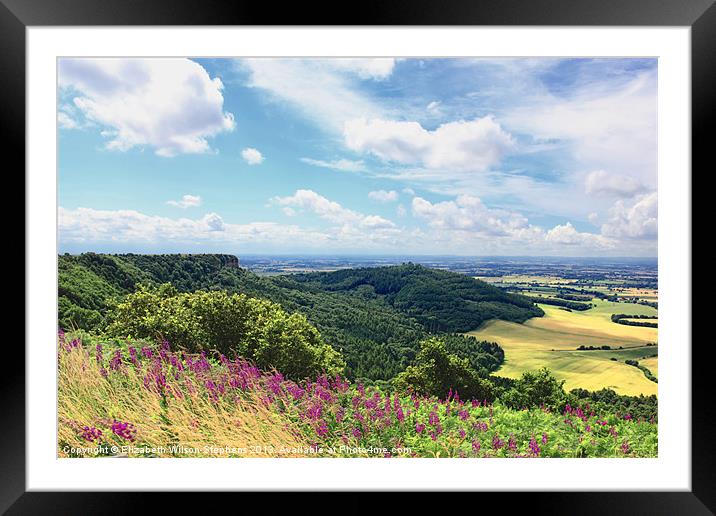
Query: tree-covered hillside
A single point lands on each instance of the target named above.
(374, 317)
(440, 300)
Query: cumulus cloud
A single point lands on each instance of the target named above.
(213, 222)
(469, 213)
(600, 182)
(344, 165)
(467, 220)
(566, 234)
(634, 220)
(252, 156)
(310, 201)
(87, 224)
(474, 145)
(383, 195)
(171, 105)
(87, 228)
(187, 201)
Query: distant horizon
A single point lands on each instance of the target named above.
(359, 255)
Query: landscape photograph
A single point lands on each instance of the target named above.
(362, 257)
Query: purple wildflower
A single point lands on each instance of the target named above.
(90, 433)
(322, 428)
(115, 363)
(433, 418)
(124, 430)
(497, 443)
(534, 447)
(133, 356)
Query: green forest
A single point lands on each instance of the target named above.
(373, 317)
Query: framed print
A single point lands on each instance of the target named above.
(411, 250)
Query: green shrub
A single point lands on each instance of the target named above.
(436, 373)
(235, 325)
(536, 389)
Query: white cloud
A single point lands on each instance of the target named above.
(474, 145)
(378, 68)
(401, 211)
(408, 191)
(171, 105)
(600, 182)
(187, 201)
(214, 222)
(87, 224)
(468, 213)
(593, 217)
(88, 228)
(467, 222)
(434, 106)
(383, 195)
(609, 126)
(65, 121)
(91, 228)
(638, 220)
(325, 90)
(332, 211)
(252, 156)
(566, 234)
(344, 165)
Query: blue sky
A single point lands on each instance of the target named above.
(373, 156)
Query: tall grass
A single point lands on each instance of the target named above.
(152, 401)
(117, 406)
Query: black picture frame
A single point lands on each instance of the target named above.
(700, 15)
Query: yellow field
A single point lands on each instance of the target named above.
(552, 341)
(526, 278)
(641, 293)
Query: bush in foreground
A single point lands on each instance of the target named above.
(438, 373)
(232, 324)
(152, 398)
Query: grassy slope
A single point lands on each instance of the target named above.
(89, 396)
(530, 346)
(215, 407)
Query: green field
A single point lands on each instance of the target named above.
(552, 341)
